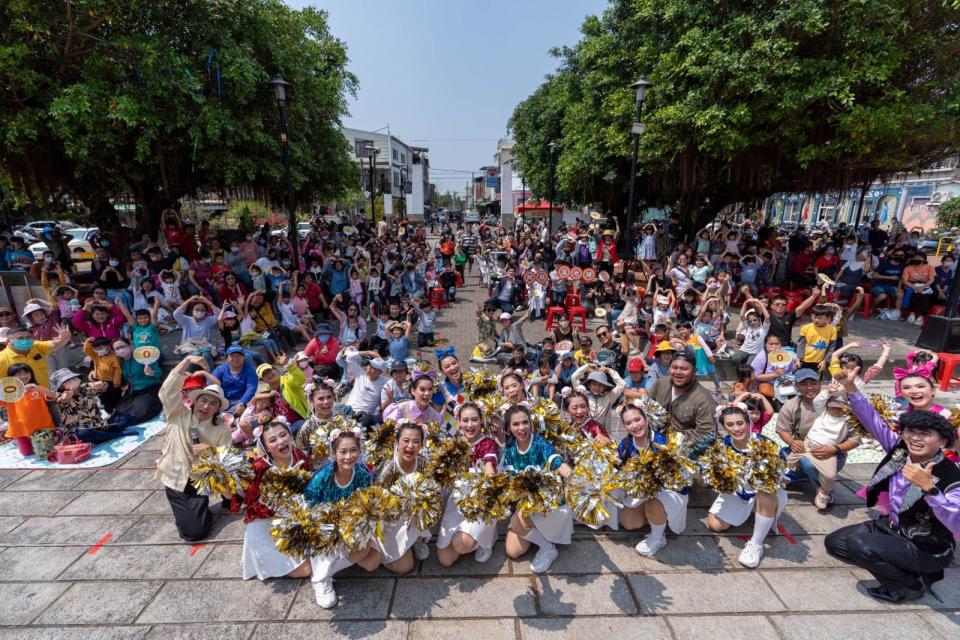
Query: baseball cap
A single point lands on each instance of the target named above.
(635, 365)
(664, 345)
(506, 316)
(805, 374)
(234, 348)
(323, 329)
(262, 369)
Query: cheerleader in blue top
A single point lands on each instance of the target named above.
(668, 506)
(334, 482)
(526, 449)
(734, 509)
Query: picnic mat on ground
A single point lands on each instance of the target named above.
(103, 454)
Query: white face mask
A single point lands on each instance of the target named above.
(114, 263)
(125, 352)
(102, 352)
(48, 259)
(199, 314)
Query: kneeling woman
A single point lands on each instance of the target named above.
(334, 482)
(733, 509)
(526, 449)
(459, 536)
(402, 541)
(261, 559)
(668, 506)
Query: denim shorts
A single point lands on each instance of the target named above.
(883, 288)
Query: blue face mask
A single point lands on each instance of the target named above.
(323, 338)
(23, 344)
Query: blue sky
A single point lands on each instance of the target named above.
(447, 74)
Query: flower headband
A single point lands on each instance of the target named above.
(652, 410)
(404, 423)
(336, 433)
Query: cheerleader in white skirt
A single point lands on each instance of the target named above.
(261, 559)
(334, 482)
(402, 541)
(459, 536)
(526, 449)
(577, 406)
(731, 510)
(668, 507)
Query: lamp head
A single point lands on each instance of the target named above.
(641, 86)
(280, 88)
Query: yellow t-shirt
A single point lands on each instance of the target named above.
(817, 340)
(36, 358)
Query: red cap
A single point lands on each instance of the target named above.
(635, 365)
(194, 382)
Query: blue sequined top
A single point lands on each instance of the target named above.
(539, 454)
(324, 488)
(628, 448)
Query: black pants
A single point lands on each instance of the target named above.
(893, 560)
(191, 513)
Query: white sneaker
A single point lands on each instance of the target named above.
(325, 594)
(544, 558)
(482, 554)
(918, 321)
(650, 545)
(912, 318)
(751, 555)
(823, 500)
(420, 550)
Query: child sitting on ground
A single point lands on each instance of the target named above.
(106, 368)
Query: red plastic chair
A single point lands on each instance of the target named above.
(572, 300)
(935, 310)
(438, 298)
(553, 312)
(578, 317)
(948, 361)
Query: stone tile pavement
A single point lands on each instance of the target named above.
(92, 554)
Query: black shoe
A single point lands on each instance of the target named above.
(892, 595)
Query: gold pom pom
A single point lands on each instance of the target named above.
(593, 452)
(657, 416)
(763, 465)
(379, 443)
(481, 497)
(590, 492)
(449, 458)
(638, 475)
(420, 501)
(478, 383)
(280, 484)
(535, 491)
(887, 408)
(364, 515)
(221, 471)
(313, 438)
(721, 468)
(672, 466)
(303, 531)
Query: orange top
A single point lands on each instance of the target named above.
(28, 414)
(919, 273)
(105, 368)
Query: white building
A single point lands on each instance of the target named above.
(401, 172)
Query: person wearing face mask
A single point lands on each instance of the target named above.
(943, 280)
(916, 282)
(106, 369)
(200, 277)
(22, 348)
(79, 409)
(827, 262)
(139, 402)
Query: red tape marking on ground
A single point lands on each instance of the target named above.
(196, 548)
(99, 544)
(786, 534)
(744, 538)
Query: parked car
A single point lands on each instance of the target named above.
(80, 245)
(37, 226)
(471, 217)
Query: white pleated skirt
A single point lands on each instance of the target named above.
(674, 503)
(734, 510)
(556, 526)
(261, 559)
(453, 522)
(398, 538)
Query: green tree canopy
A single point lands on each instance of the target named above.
(160, 98)
(749, 98)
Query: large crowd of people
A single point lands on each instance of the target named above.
(277, 346)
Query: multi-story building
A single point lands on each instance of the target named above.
(401, 172)
(910, 198)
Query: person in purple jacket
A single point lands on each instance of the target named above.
(907, 550)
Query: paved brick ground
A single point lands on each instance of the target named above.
(91, 554)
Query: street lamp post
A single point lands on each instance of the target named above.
(403, 194)
(553, 146)
(280, 91)
(640, 86)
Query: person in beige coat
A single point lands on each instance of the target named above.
(604, 388)
(190, 430)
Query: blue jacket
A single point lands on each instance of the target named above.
(238, 388)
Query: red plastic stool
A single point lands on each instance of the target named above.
(866, 307)
(948, 361)
(578, 317)
(554, 311)
(935, 310)
(438, 298)
(572, 300)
